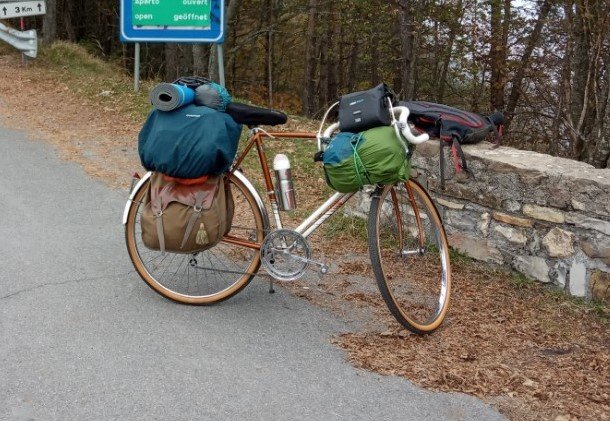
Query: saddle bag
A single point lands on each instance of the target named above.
(186, 218)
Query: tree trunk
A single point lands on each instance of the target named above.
(352, 68)
(230, 38)
(171, 62)
(231, 59)
(269, 8)
(49, 23)
(408, 47)
(374, 61)
(232, 11)
(269, 68)
(200, 58)
(213, 56)
(600, 156)
(586, 115)
(340, 59)
(322, 53)
(67, 20)
(455, 25)
(310, 61)
(517, 81)
(331, 57)
(580, 110)
(498, 51)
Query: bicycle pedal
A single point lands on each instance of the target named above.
(323, 267)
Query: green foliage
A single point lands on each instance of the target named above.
(458, 257)
(520, 281)
(599, 308)
(95, 79)
(75, 59)
(348, 227)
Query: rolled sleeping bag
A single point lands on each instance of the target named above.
(212, 95)
(170, 96)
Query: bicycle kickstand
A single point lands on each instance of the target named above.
(271, 290)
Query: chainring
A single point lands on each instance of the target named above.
(285, 254)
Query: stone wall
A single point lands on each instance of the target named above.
(546, 217)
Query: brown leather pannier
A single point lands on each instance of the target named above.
(186, 218)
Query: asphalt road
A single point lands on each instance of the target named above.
(83, 338)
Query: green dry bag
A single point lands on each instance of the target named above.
(375, 156)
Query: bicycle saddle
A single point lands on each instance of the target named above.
(255, 116)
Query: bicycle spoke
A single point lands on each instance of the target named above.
(219, 271)
(410, 257)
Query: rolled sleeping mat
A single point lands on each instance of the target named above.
(170, 96)
(212, 95)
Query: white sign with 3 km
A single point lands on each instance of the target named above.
(22, 8)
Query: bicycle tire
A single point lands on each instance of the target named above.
(177, 278)
(410, 256)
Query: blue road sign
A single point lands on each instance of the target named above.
(172, 21)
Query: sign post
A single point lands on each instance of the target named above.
(136, 68)
(193, 21)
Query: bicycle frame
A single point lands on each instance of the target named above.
(390, 210)
(310, 224)
(321, 214)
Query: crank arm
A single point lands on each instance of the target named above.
(323, 267)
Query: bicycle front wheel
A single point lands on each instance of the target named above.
(410, 256)
(204, 277)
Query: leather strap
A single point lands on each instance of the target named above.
(194, 217)
(442, 162)
(159, 221)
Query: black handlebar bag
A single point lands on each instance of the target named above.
(360, 111)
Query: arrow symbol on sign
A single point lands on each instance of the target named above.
(4, 10)
(39, 7)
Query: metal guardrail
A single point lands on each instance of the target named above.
(25, 41)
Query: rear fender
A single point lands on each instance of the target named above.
(133, 193)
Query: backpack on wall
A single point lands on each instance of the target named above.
(375, 156)
(186, 218)
(454, 127)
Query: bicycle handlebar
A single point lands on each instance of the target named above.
(401, 125)
(330, 130)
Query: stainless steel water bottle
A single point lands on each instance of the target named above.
(283, 182)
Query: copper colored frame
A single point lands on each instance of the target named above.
(317, 217)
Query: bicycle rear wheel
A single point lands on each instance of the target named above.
(205, 277)
(410, 256)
